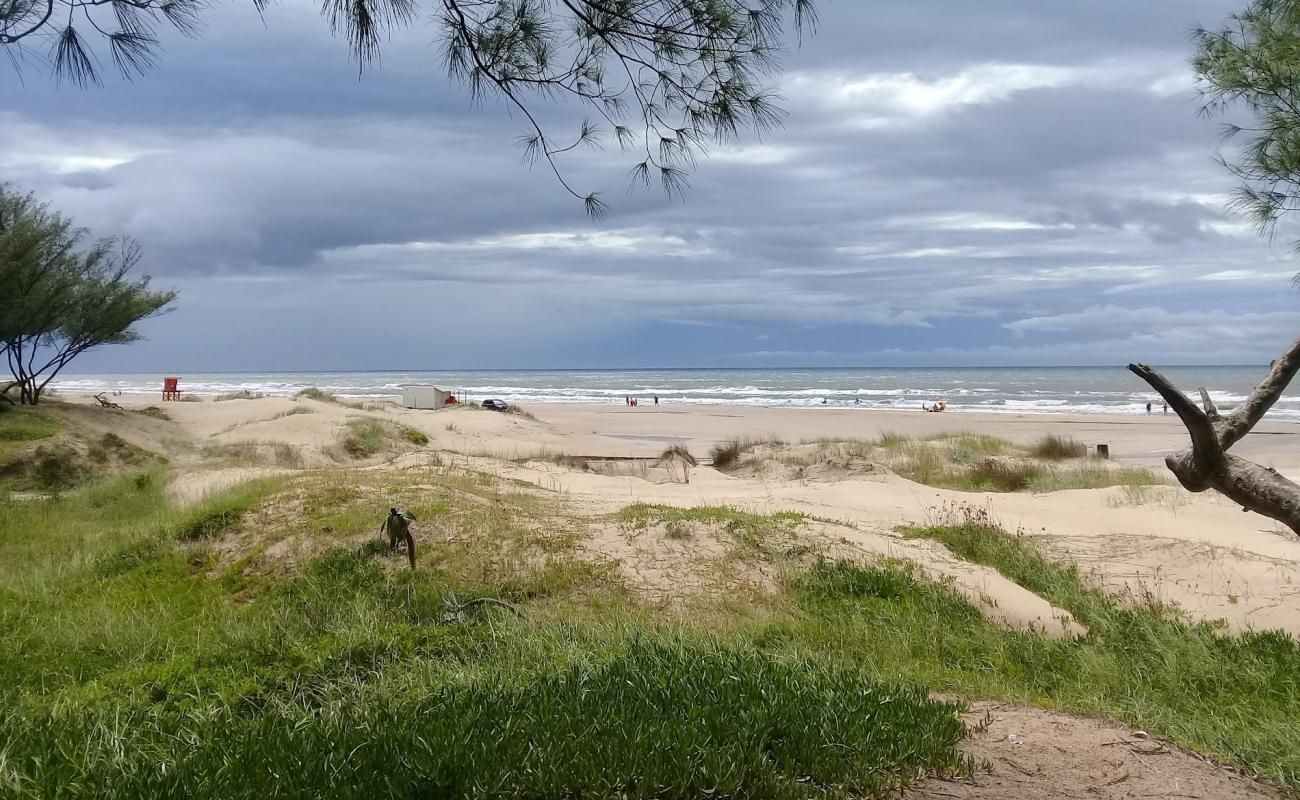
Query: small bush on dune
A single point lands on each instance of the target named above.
(57, 468)
(415, 437)
(1058, 448)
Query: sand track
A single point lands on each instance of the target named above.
(1033, 754)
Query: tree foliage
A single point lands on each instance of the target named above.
(1253, 64)
(663, 79)
(61, 295)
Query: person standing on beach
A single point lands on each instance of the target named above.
(1166, 409)
(1148, 408)
(656, 399)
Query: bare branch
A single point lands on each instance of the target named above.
(1211, 410)
(1244, 417)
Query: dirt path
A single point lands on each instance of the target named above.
(1034, 754)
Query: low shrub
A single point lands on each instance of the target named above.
(415, 437)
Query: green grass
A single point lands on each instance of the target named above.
(143, 658)
(128, 672)
(751, 530)
(415, 437)
(968, 446)
(215, 516)
(365, 437)
(1236, 697)
(22, 425)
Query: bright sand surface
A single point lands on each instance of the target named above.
(1196, 550)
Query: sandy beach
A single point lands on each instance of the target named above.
(1197, 551)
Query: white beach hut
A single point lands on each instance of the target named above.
(425, 397)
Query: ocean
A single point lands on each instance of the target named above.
(1056, 390)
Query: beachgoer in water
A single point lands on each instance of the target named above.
(656, 399)
(1166, 409)
(1148, 408)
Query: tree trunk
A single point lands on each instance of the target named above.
(1208, 465)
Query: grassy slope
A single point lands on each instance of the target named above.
(128, 672)
(131, 669)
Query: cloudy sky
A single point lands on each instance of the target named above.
(1011, 182)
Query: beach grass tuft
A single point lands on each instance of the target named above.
(242, 394)
(1058, 448)
(680, 452)
(313, 393)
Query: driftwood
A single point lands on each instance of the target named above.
(104, 402)
(1209, 465)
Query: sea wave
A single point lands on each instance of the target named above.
(1029, 391)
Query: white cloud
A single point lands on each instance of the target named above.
(612, 242)
(884, 99)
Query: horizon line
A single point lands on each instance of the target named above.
(655, 369)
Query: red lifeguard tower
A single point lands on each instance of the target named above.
(170, 390)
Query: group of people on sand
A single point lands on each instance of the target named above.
(941, 405)
(632, 401)
(1166, 408)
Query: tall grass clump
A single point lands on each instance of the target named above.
(726, 455)
(364, 437)
(680, 452)
(996, 475)
(1058, 448)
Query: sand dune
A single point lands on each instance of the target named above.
(1198, 551)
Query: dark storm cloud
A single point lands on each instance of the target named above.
(957, 183)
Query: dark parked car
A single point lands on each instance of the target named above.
(494, 405)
